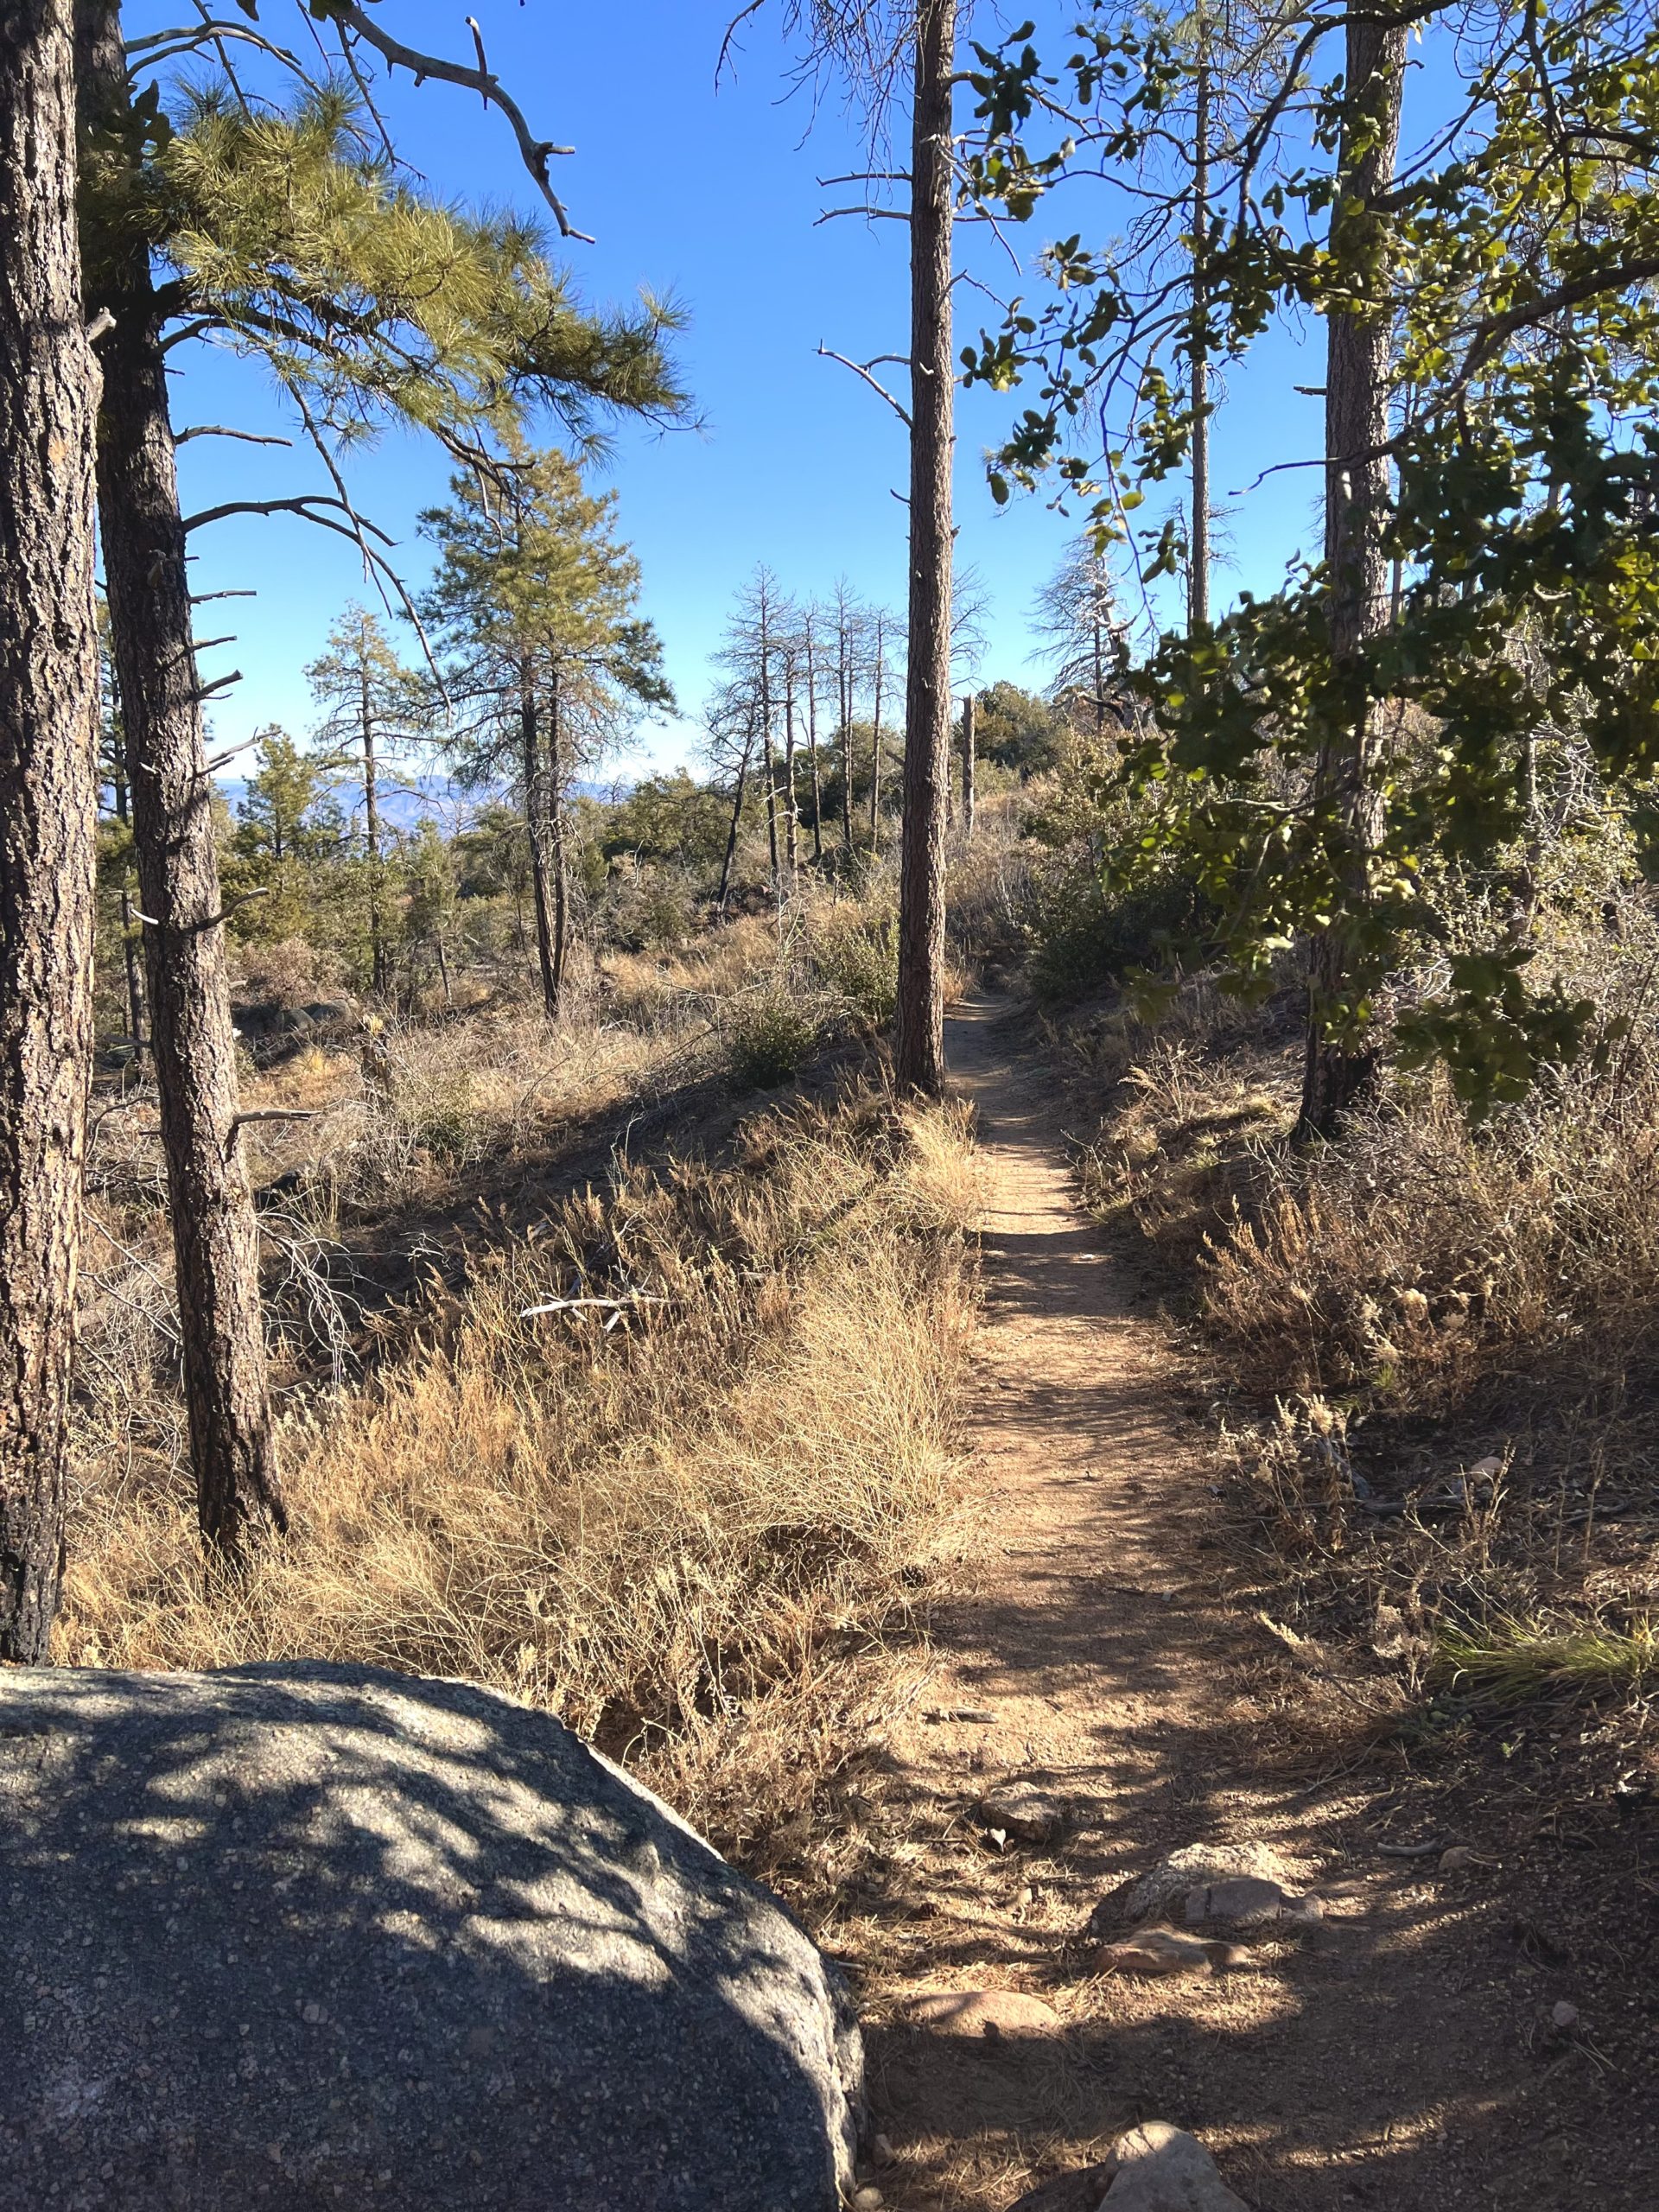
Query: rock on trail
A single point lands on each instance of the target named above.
(298, 1936)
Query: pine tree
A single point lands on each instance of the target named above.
(546, 660)
(49, 721)
(374, 708)
(364, 300)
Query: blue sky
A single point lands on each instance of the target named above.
(711, 194)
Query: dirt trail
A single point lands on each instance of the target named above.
(1394, 2056)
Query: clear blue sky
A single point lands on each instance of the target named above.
(712, 194)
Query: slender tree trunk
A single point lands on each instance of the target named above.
(132, 958)
(49, 799)
(737, 817)
(968, 765)
(372, 837)
(770, 760)
(535, 824)
(844, 687)
(918, 1046)
(1198, 602)
(791, 823)
(215, 1233)
(443, 972)
(812, 746)
(556, 822)
(875, 736)
(1339, 1071)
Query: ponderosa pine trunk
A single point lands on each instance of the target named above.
(968, 765)
(535, 828)
(48, 795)
(918, 1044)
(215, 1231)
(1341, 1068)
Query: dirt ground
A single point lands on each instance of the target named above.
(1098, 1640)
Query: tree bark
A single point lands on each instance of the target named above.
(215, 1233)
(1339, 1072)
(536, 826)
(918, 1047)
(1197, 601)
(968, 765)
(48, 797)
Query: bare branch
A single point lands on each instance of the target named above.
(221, 430)
(480, 79)
(828, 354)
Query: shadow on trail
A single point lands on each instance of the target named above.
(1399, 2054)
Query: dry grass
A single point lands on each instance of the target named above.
(657, 1517)
(1434, 1349)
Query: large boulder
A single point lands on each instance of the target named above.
(303, 1935)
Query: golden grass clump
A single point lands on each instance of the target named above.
(644, 1514)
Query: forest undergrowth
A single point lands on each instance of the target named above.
(663, 1457)
(1430, 1351)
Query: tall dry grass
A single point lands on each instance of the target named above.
(651, 1516)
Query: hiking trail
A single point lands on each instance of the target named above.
(1384, 2053)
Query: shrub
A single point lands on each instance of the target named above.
(857, 959)
(770, 1039)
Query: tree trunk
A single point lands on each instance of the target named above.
(918, 1048)
(1198, 597)
(1339, 1071)
(131, 956)
(49, 799)
(769, 761)
(969, 764)
(844, 688)
(555, 822)
(737, 815)
(791, 821)
(812, 747)
(372, 837)
(536, 825)
(215, 1233)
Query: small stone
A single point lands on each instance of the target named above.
(988, 2012)
(1025, 1814)
(1565, 2016)
(314, 2014)
(1194, 1866)
(1247, 1901)
(1157, 1951)
(868, 2200)
(1162, 2169)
